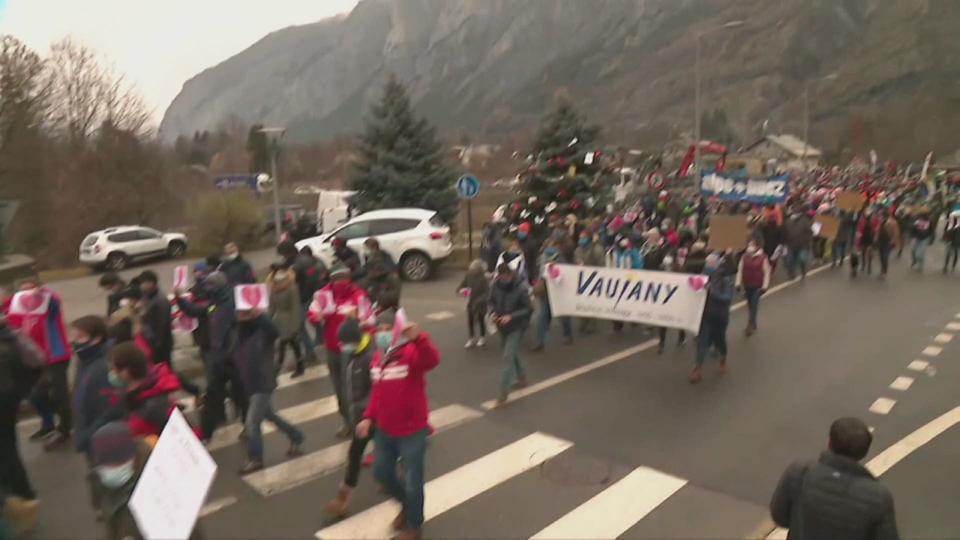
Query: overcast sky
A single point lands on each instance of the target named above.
(159, 44)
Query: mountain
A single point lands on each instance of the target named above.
(879, 73)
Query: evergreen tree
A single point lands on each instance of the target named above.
(401, 160)
(566, 175)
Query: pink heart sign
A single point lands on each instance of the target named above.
(249, 297)
(553, 271)
(30, 303)
(697, 282)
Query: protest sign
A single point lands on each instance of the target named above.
(736, 186)
(181, 277)
(850, 201)
(657, 298)
(728, 232)
(247, 297)
(32, 302)
(174, 483)
(829, 226)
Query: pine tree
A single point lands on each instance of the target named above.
(566, 175)
(401, 160)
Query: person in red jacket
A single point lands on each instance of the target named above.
(330, 307)
(149, 389)
(397, 416)
(46, 328)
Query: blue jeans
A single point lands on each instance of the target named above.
(919, 253)
(408, 491)
(309, 352)
(839, 251)
(545, 317)
(713, 332)
(512, 368)
(260, 409)
(795, 258)
(753, 304)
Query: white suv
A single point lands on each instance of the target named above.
(417, 239)
(116, 247)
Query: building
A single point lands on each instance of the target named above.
(782, 152)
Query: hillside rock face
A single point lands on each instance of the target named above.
(880, 74)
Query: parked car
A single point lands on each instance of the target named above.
(115, 248)
(417, 239)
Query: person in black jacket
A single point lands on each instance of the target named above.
(116, 290)
(312, 275)
(158, 326)
(716, 314)
(16, 382)
(836, 497)
(511, 309)
(235, 267)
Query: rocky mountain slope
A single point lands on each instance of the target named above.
(880, 74)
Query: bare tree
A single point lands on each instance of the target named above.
(24, 94)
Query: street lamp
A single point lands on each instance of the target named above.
(696, 72)
(806, 114)
(273, 136)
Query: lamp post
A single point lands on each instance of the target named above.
(273, 136)
(806, 114)
(696, 74)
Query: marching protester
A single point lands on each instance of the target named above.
(798, 239)
(515, 257)
(836, 497)
(285, 312)
(347, 257)
(951, 236)
(589, 252)
(845, 232)
(147, 389)
(358, 349)
(253, 357)
(530, 248)
(235, 267)
(311, 275)
(124, 324)
(491, 244)
(157, 326)
(476, 288)
(716, 315)
(552, 253)
(116, 290)
(397, 417)
(382, 280)
(330, 306)
(510, 310)
(753, 277)
(921, 231)
(866, 235)
(888, 238)
(626, 256)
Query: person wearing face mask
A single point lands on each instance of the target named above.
(285, 312)
(515, 258)
(753, 277)
(551, 254)
(716, 316)
(530, 249)
(396, 416)
(147, 390)
(235, 267)
(511, 310)
(96, 402)
(358, 348)
(330, 307)
(624, 255)
(798, 239)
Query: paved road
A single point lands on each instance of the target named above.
(614, 436)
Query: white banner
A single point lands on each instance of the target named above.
(643, 296)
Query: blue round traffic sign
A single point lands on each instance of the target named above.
(468, 186)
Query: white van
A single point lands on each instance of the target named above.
(333, 209)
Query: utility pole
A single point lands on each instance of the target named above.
(696, 104)
(273, 136)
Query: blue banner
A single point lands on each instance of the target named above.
(233, 181)
(736, 186)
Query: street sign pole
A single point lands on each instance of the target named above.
(467, 188)
(470, 229)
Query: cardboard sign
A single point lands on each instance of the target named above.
(657, 298)
(850, 201)
(174, 483)
(728, 232)
(33, 302)
(400, 324)
(247, 297)
(181, 277)
(829, 226)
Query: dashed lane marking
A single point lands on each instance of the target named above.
(953, 326)
(440, 315)
(932, 351)
(901, 383)
(217, 504)
(882, 405)
(918, 365)
(943, 338)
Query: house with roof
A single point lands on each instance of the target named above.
(782, 152)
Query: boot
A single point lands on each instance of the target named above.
(251, 466)
(299, 371)
(501, 399)
(20, 514)
(337, 507)
(696, 375)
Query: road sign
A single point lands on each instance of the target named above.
(468, 186)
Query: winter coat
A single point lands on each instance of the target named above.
(592, 254)
(719, 295)
(398, 401)
(157, 326)
(836, 498)
(220, 321)
(350, 259)
(149, 404)
(122, 324)
(95, 401)
(47, 330)
(772, 235)
(695, 262)
(846, 229)
(625, 258)
(951, 234)
(798, 233)
(479, 287)
(754, 271)
(16, 378)
(356, 379)
(344, 296)
(238, 271)
(888, 234)
(284, 302)
(253, 355)
(312, 275)
(513, 300)
(921, 229)
(491, 247)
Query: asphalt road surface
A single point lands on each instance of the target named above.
(611, 440)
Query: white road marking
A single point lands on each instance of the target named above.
(953, 326)
(882, 405)
(217, 505)
(614, 510)
(943, 338)
(901, 383)
(932, 351)
(440, 315)
(455, 487)
(304, 412)
(312, 373)
(296, 472)
(618, 356)
(871, 429)
(918, 365)
(884, 461)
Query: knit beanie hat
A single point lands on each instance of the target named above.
(113, 444)
(339, 270)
